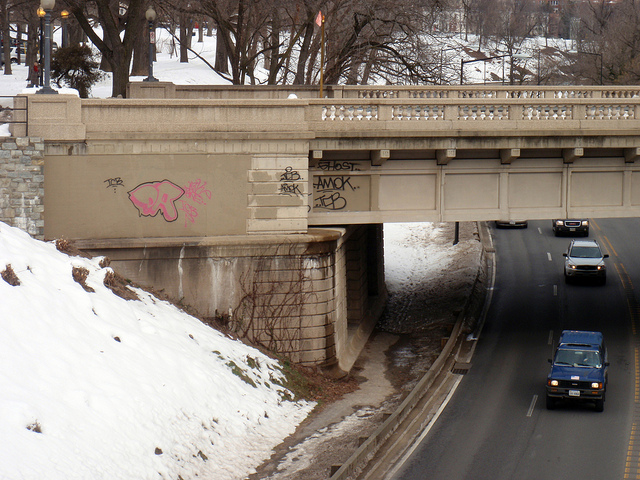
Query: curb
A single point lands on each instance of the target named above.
(472, 316)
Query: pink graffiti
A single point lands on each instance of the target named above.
(195, 191)
(153, 197)
(190, 213)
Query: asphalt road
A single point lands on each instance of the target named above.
(496, 425)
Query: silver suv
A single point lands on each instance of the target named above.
(584, 259)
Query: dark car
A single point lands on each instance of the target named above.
(571, 227)
(512, 223)
(584, 259)
(578, 369)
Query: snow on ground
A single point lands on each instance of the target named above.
(93, 386)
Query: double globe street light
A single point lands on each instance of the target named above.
(47, 6)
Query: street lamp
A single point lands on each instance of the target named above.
(150, 15)
(47, 6)
(64, 14)
(41, 14)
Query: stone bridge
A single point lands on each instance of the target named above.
(262, 207)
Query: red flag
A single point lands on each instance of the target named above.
(319, 19)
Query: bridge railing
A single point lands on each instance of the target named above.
(589, 109)
(265, 92)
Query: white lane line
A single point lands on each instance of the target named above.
(549, 255)
(555, 290)
(540, 230)
(550, 339)
(532, 406)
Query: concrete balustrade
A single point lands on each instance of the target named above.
(67, 118)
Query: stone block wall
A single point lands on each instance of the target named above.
(22, 184)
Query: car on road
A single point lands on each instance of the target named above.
(571, 227)
(584, 259)
(579, 369)
(511, 223)
(14, 55)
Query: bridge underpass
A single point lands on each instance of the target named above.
(265, 212)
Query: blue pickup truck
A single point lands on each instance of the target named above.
(578, 369)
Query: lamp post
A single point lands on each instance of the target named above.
(64, 14)
(47, 5)
(150, 15)
(41, 14)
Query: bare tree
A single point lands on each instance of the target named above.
(114, 17)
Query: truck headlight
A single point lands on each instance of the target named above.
(585, 223)
(554, 383)
(597, 385)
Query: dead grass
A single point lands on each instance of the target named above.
(80, 275)
(119, 286)
(9, 276)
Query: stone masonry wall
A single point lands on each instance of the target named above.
(22, 184)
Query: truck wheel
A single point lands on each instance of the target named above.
(551, 403)
(600, 405)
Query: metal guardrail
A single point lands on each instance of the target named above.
(16, 113)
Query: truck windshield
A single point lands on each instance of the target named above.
(578, 358)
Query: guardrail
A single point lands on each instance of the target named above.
(14, 112)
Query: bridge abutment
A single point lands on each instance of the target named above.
(312, 297)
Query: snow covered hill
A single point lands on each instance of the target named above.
(93, 386)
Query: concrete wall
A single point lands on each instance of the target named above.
(291, 294)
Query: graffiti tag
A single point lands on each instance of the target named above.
(333, 183)
(334, 166)
(289, 175)
(330, 201)
(114, 183)
(159, 196)
(288, 185)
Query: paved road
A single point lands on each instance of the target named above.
(496, 425)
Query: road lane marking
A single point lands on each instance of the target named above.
(549, 255)
(555, 290)
(532, 406)
(540, 230)
(606, 240)
(550, 339)
(632, 464)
